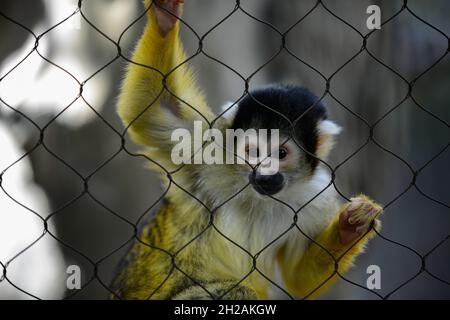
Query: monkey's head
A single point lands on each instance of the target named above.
(305, 135)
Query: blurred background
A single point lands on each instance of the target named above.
(43, 180)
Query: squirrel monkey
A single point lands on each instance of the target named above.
(190, 252)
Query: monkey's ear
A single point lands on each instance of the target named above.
(230, 109)
(326, 132)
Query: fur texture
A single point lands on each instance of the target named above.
(203, 238)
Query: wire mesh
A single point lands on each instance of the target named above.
(124, 148)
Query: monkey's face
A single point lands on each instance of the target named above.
(273, 164)
(282, 161)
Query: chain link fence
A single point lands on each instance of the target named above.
(125, 149)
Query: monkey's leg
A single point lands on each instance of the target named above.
(159, 88)
(216, 290)
(344, 239)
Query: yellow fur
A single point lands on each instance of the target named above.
(143, 91)
(157, 264)
(313, 273)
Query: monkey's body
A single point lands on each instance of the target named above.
(217, 263)
(188, 248)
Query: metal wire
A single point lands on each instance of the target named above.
(284, 47)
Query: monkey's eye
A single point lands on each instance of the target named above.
(282, 153)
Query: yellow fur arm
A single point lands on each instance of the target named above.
(144, 104)
(315, 272)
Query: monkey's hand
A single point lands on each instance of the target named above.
(167, 14)
(343, 239)
(357, 217)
